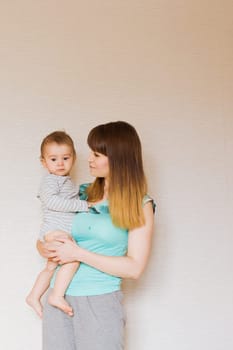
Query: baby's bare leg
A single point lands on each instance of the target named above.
(62, 281)
(40, 287)
(63, 278)
(53, 235)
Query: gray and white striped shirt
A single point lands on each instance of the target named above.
(60, 202)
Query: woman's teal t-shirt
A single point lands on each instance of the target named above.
(95, 232)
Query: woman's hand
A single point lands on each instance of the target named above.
(47, 249)
(66, 251)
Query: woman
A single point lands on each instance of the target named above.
(112, 241)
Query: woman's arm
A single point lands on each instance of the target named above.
(130, 266)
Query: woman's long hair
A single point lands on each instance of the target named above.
(120, 142)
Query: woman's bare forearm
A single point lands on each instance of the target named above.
(120, 266)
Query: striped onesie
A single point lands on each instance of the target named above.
(60, 201)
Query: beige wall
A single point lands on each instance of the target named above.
(166, 67)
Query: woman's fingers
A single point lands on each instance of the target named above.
(64, 252)
(62, 240)
(52, 246)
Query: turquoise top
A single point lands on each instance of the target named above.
(95, 231)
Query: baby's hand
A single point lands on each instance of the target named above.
(89, 205)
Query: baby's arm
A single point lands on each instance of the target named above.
(50, 197)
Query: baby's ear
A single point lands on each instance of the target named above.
(43, 163)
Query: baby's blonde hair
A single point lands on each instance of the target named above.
(59, 137)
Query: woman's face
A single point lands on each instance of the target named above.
(98, 164)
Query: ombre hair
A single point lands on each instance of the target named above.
(120, 142)
(59, 137)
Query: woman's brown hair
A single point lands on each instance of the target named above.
(120, 142)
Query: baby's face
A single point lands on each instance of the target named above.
(58, 159)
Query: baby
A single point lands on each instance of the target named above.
(60, 202)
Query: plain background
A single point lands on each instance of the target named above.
(165, 67)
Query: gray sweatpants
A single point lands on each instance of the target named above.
(97, 324)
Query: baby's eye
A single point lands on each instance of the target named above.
(66, 158)
(53, 159)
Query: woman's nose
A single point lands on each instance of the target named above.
(90, 157)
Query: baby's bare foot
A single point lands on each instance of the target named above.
(35, 304)
(60, 302)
